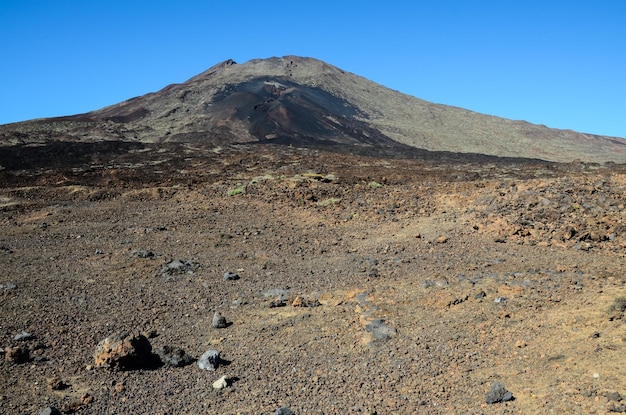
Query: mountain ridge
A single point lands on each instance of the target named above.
(308, 100)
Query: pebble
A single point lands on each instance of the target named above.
(142, 253)
(498, 393)
(380, 330)
(613, 396)
(230, 276)
(57, 384)
(221, 383)
(17, 354)
(219, 321)
(23, 336)
(178, 266)
(480, 295)
(500, 300)
(51, 410)
(283, 411)
(209, 360)
(8, 286)
(621, 408)
(171, 356)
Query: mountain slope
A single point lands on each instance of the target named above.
(304, 100)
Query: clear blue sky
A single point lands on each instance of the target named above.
(559, 63)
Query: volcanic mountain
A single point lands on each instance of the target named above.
(304, 102)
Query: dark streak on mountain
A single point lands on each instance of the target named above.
(306, 102)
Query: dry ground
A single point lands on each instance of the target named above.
(481, 272)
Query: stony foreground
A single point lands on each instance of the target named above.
(343, 284)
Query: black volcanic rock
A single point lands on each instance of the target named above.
(307, 102)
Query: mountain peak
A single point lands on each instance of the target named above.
(295, 99)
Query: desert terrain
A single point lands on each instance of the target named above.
(371, 283)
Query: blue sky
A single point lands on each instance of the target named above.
(558, 63)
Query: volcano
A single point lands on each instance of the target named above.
(307, 102)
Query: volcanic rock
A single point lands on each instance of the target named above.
(209, 360)
(497, 393)
(124, 352)
(219, 321)
(17, 354)
(172, 356)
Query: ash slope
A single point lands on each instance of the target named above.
(305, 101)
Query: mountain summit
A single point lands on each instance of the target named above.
(305, 101)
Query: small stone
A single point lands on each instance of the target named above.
(303, 302)
(277, 302)
(442, 240)
(283, 411)
(57, 384)
(497, 393)
(613, 396)
(51, 410)
(500, 300)
(480, 295)
(8, 286)
(230, 276)
(380, 330)
(219, 321)
(221, 383)
(142, 253)
(23, 336)
(17, 354)
(175, 357)
(119, 387)
(210, 360)
(621, 408)
(178, 267)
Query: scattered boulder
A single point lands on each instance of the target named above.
(380, 330)
(172, 356)
(23, 336)
(17, 355)
(230, 276)
(221, 383)
(210, 360)
(219, 321)
(613, 396)
(178, 267)
(498, 393)
(57, 384)
(303, 302)
(621, 408)
(142, 253)
(277, 302)
(125, 352)
(8, 286)
(617, 309)
(51, 410)
(480, 295)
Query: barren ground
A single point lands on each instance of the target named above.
(477, 271)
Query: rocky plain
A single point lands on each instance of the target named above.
(344, 284)
(283, 237)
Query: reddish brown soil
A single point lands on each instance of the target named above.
(426, 246)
